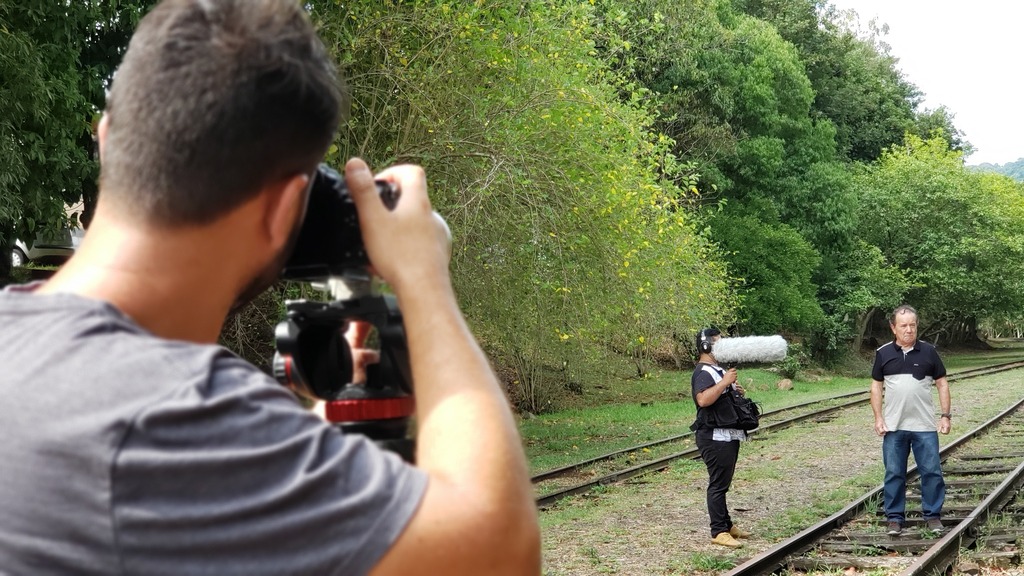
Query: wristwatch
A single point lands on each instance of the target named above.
(946, 415)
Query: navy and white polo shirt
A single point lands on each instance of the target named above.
(909, 377)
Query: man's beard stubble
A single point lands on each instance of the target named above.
(269, 275)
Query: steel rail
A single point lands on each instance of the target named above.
(945, 552)
(987, 369)
(774, 558)
(568, 469)
(556, 472)
(663, 462)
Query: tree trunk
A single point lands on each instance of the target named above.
(863, 323)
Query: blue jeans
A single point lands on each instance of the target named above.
(896, 448)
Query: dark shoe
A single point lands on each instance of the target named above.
(935, 525)
(895, 528)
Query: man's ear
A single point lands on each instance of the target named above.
(101, 133)
(285, 208)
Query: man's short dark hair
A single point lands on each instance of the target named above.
(705, 335)
(901, 309)
(215, 99)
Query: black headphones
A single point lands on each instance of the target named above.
(704, 345)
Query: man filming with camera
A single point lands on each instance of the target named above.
(133, 444)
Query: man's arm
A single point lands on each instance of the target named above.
(710, 395)
(478, 515)
(876, 407)
(944, 403)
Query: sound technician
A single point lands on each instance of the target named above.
(134, 445)
(719, 447)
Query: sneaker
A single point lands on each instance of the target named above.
(935, 525)
(726, 539)
(737, 532)
(895, 528)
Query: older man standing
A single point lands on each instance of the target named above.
(906, 369)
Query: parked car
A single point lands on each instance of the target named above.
(47, 248)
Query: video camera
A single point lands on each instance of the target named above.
(313, 357)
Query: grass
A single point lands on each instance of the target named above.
(710, 562)
(619, 414)
(795, 519)
(619, 522)
(967, 359)
(640, 411)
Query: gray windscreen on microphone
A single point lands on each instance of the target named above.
(744, 349)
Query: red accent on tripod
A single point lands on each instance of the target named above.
(365, 409)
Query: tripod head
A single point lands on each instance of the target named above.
(313, 356)
(314, 359)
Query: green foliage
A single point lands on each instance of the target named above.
(616, 173)
(958, 233)
(249, 331)
(56, 59)
(775, 264)
(42, 114)
(855, 79)
(665, 46)
(796, 360)
(781, 171)
(563, 201)
(823, 208)
(939, 122)
(855, 286)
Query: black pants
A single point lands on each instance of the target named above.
(720, 458)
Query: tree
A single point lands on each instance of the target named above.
(775, 264)
(783, 166)
(939, 122)
(864, 284)
(565, 203)
(42, 116)
(663, 46)
(958, 233)
(55, 61)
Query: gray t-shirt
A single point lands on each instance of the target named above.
(124, 453)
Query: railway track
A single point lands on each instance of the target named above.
(984, 471)
(585, 476)
(603, 477)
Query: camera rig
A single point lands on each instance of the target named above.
(313, 356)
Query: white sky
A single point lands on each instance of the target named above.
(964, 55)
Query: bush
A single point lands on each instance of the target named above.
(831, 341)
(796, 360)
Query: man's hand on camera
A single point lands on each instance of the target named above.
(466, 437)
(408, 244)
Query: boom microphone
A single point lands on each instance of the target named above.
(749, 349)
